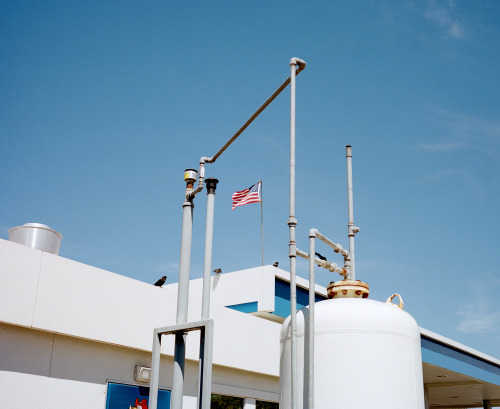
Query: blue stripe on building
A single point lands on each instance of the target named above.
(445, 356)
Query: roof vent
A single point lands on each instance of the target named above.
(38, 236)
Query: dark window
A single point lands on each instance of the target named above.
(226, 402)
(267, 405)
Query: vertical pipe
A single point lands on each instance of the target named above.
(351, 229)
(205, 392)
(312, 300)
(292, 222)
(182, 301)
(205, 366)
(178, 376)
(155, 371)
(209, 232)
(185, 261)
(486, 404)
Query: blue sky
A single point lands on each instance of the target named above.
(104, 104)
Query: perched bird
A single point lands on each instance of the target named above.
(320, 256)
(218, 270)
(161, 281)
(275, 264)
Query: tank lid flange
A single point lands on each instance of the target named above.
(348, 289)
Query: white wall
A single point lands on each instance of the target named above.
(46, 370)
(238, 287)
(54, 294)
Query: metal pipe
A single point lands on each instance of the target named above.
(201, 177)
(312, 301)
(335, 246)
(155, 371)
(209, 232)
(351, 228)
(301, 65)
(205, 367)
(205, 376)
(178, 372)
(183, 297)
(332, 267)
(292, 222)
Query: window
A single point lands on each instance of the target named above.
(261, 404)
(226, 402)
(121, 395)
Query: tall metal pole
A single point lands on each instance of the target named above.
(183, 290)
(312, 301)
(351, 228)
(205, 367)
(209, 233)
(292, 222)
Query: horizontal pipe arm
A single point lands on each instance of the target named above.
(336, 247)
(301, 66)
(334, 268)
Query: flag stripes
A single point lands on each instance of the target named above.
(250, 195)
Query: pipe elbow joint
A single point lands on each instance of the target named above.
(207, 160)
(313, 233)
(299, 62)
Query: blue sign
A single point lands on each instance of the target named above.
(122, 396)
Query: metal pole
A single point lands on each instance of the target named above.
(292, 222)
(155, 371)
(486, 404)
(261, 224)
(312, 300)
(209, 232)
(351, 228)
(183, 295)
(205, 366)
(206, 349)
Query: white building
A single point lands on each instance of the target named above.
(72, 335)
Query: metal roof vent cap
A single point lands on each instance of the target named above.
(348, 289)
(38, 236)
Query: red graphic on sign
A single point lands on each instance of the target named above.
(143, 404)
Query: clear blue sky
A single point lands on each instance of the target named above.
(104, 104)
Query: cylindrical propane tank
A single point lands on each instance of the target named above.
(366, 356)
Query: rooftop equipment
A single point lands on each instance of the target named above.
(38, 236)
(348, 352)
(182, 327)
(367, 355)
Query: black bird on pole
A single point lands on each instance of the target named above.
(275, 264)
(218, 270)
(161, 281)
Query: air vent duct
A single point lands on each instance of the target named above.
(38, 236)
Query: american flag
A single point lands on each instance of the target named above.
(250, 195)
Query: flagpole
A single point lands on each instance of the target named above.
(261, 224)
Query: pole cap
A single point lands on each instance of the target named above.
(211, 185)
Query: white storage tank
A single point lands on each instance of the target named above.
(367, 356)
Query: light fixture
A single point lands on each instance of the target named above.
(142, 373)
